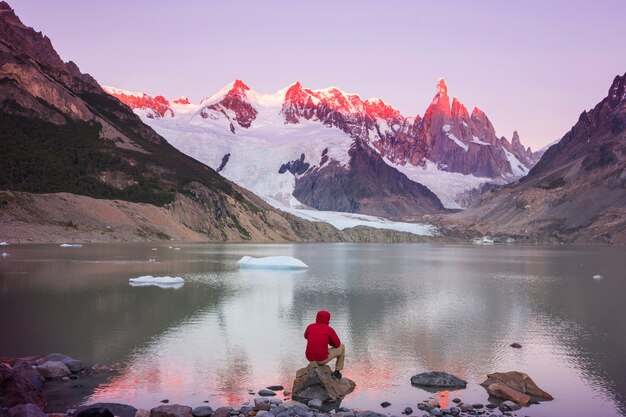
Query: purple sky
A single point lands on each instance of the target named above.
(533, 66)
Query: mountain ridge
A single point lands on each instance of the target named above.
(577, 190)
(447, 132)
(61, 133)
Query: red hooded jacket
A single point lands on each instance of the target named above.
(319, 335)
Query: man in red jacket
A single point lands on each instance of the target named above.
(319, 336)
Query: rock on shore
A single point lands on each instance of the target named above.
(317, 383)
(437, 379)
(515, 386)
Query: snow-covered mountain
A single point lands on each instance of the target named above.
(331, 150)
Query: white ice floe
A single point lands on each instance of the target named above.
(162, 282)
(71, 245)
(4, 254)
(4, 244)
(486, 240)
(272, 262)
(598, 276)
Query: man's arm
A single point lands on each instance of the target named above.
(306, 332)
(333, 339)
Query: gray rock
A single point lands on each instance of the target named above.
(436, 412)
(315, 404)
(258, 401)
(369, 413)
(301, 410)
(245, 409)
(278, 410)
(117, 409)
(438, 380)
(171, 410)
(385, 404)
(510, 405)
(263, 406)
(408, 411)
(276, 401)
(455, 411)
(202, 411)
(222, 412)
(266, 393)
(74, 365)
(477, 406)
(142, 412)
(275, 387)
(286, 392)
(54, 357)
(53, 369)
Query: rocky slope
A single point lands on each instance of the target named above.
(111, 176)
(576, 192)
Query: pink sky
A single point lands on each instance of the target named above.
(533, 66)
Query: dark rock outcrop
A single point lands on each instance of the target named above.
(317, 383)
(296, 167)
(94, 411)
(437, 379)
(119, 410)
(16, 389)
(26, 410)
(367, 185)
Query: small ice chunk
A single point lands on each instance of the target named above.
(4, 244)
(598, 276)
(162, 282)
(154, 248)
(4, 254)
(71, 245)
(272, 262)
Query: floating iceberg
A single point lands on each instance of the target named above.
(4, 254)
(598, 276)
(4, 244)
(272, 262)
(71, 245)
(162, 282)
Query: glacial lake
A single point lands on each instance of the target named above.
(400, 309)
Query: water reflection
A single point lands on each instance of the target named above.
(400, 309)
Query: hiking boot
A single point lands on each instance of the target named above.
(337, 374)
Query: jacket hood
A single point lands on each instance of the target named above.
(323, 317)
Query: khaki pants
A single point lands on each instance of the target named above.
(338, 353)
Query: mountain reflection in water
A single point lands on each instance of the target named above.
(399, 309)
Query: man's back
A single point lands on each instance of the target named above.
(319, 335)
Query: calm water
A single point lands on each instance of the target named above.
(399, 309)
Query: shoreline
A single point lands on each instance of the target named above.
(55, 383)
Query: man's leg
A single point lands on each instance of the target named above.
(340, 354)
